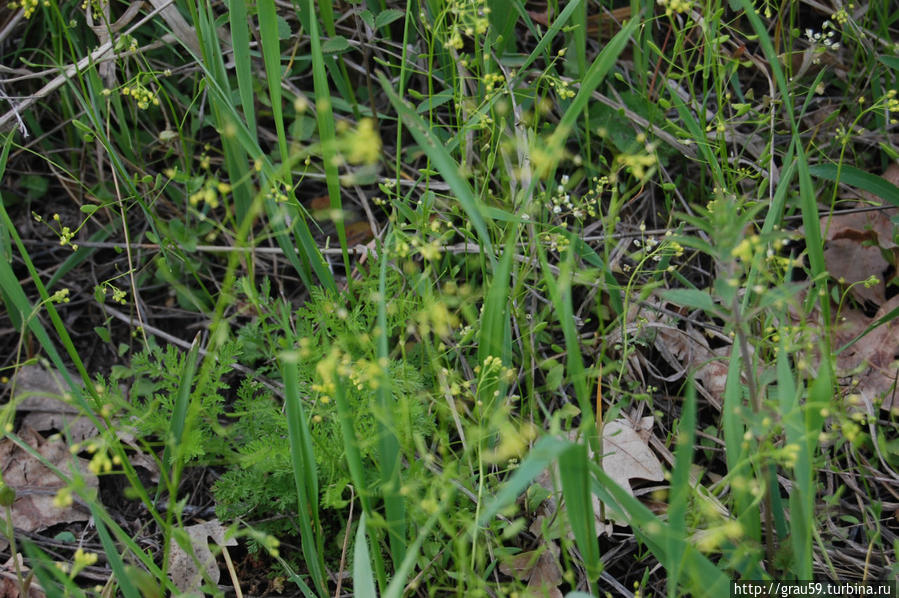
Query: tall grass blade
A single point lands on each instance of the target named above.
(389, 448)
(703, 576)
(574, 473)
(560, 295)
(112, 555)
(495, 336)
(850, 175)
(240, 43)
(326, 130)
(680, 489)
(363, 579)
(305, 473)
(542, 455)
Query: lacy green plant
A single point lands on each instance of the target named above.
(333, 335)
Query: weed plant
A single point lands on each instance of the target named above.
(429, 251)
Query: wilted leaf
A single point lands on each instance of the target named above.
(850, 263)
(184, 568)
(626, 455)
(540, 568)
(43, 395)
(9, 584)
(876, 353)
(36, 485)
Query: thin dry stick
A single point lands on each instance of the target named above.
(346, 542)
(237, 591)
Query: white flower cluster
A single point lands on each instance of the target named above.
(825, 37)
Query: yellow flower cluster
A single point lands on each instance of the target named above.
(562, 88)
(363, 146)
(892, 106)
(675, 6)
(28, 6)
(143, 96)
(470, 21)
(209, 193)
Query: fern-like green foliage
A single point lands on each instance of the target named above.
(154, 377)
(260, 484)
(246, 429)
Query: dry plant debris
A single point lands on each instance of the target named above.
(37, 505)
(187, 571)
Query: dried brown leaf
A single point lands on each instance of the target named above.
(184, 567)
(540, 568)
(875, 353)
(36, 485)
(626, 455)
(851, 262)
(44, 395)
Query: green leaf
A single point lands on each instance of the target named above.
(336, 45)
(691, 298)
(363, 579)
(890, 61)
(368, 17)
(284, 31)
(103, 333)
(431, 102)
(386, 17)
(865, 181)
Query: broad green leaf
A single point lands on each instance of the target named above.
(386, 17)
(336, 45)
(865, 181)
(693, 298)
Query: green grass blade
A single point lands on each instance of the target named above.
(390, 457)
(595, 75)
(737, 461)
(808, 203)
(704, 577)
(326, 129)
(395, 589)
(271, 55)
(49, 575)
(240, 43)
(574, 473)
(850, 175)
(113, 557)
(495, 336)
(363, 579)
(545, 452)
(679, 493)
(444, 164)
(305, 473)
(560, 296)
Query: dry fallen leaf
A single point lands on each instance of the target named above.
(41, 393)
(855, 244)
(9, 582)
(540, 568)
(36, 485)
(183, 569)
(851, 263)
(876, 353)
(626, 455)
